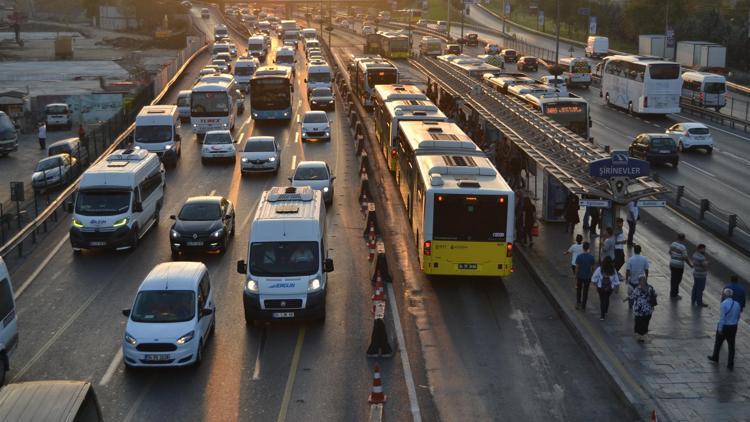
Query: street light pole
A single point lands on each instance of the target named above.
(463, 13)
(557, 34)
(449, 17)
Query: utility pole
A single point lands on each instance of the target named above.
(557, 34)
(450, 6)
(463, 13)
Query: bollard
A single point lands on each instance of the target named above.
(705, 206)
(380, 265)
(376, 395)
(364, 161)
(364, 190)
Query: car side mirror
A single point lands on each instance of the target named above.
(328, 265)
(173, 217)
(137, 207)
(205, 312)
(330, 120)
(305, 80)
(241, 267)
(126, 312)
(333, 178)
(290, 178)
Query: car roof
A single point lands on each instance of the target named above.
(204, 199)
(311, 164)
(174, 276)
(67, 141)
(215, 132)
(691, 125)
(321, 89)
(657, 135)
(53, 157)
(315, 112)
(261, 139)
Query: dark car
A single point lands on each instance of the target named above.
(321, 99)
(527, 63)
(509, 55)
(452, 49)
(655, 148)
(205, 223)
(472, 40)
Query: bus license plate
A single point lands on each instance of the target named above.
(467, 266)
(156, 358)
(283, 314)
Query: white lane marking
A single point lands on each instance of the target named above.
(41, 267)
(408, 376)
(698, 169)
(717, 128)
(298, 119)
(294, 162)
(732, 155)
(242, 128)
(212, 193)
(256, 371)
(116, 361)
(138, 401)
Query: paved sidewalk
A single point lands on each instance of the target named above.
(670, 373)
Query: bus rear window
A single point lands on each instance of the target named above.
(714, 87)
(664, 71)
(477, 218)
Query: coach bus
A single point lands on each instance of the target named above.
(642, 85)
(271, 93)
(213, 105)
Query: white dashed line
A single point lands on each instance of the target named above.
(294, 162)
(698, 169)
(112, 368)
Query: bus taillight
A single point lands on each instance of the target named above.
(427, 248)
(509, 250)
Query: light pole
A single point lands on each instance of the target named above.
(450, 4)
(463, 13)
(557, 33)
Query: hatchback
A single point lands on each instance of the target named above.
(655, 148)
(528, 63)
(509, 55)
(690, 135)
(54, 171)
(321, 99)
(317, 175)
(261, 153)
(316, 125)
(218, 144)
(205, 223)
(492, 49)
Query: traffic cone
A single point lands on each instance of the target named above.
(363, 204)
(653, 415)
(376, 396)
(372, 236)
(371, 250)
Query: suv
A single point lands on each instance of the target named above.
(316, 125)
(527, 63)
(655, 148)
(492, 49)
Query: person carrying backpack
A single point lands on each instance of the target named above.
(606, 280)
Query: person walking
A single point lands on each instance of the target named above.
(700, 273)
(571, 213)
(633, 216)
(528, 218)
(596, 216)
(727, 327)
(584, 269)
(574, 250)
(606, 281)
(636, 267)
(678, 256)
(738, 291)
(42, 135)
(607, 246)
(619, 245)
(643, 297)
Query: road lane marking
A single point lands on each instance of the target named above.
(112, 368)
(294, 162)
(717, 128)
(292, 376)
(138, 401)
(408, 376)
(41, 267)
(732, 155)
(698, 169)
(261, 346)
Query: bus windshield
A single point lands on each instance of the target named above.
(275, 259)
(382, 77)
(477, 218)
(102, 202)
(270, 94)
(664, 71)
(209, 104)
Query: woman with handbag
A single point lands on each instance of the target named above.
(606, 280)
(644, 300)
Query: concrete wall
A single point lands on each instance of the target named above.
(115, 19)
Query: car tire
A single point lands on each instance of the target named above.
(709, 150)
(606, 99)
(77, 251)
(231, 233)
(674, 163)
(681, 147)
(3, 369)
(129, 367)
(134, 241)
(203, 160)
(630, 109)
(175, 255)
(249, 321)
(199, 354)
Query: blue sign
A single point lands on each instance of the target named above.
(619, 165)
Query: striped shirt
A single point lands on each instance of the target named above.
(700, 265)
(677, 255)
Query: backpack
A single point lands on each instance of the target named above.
(606, 283)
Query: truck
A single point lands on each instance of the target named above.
(655, 45)
(597, 46)
(701, 55)
(287, 25)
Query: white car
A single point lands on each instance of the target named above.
(218, 144)
(692, 135)
(221, 65)
(261, 153)
(316, 125)
(233, 50)
(171, 318)
(315, 174)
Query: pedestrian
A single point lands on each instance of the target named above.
(739, 291)
(678, 256)
(619, 245)
(42, 135)
(636, 267)
(643, 297)
(584, 269)
(574, 250)
(606, 281)
(633, 216)
(528, 219)
(596, 217)
(607, 246)
(727, 327)
(571, 213)
(700, 273)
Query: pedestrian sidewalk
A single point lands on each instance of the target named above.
(670, 372)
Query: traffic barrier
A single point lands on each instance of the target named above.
(376, 396)
(371, 244)
(364, 161)
(380, 265)
(371, 235)
(352, 116)
(364, 189)
(372, 220)
(363, 201)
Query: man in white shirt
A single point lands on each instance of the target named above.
(574, 250)
(633, 215)
(42, 135)
(636, 266)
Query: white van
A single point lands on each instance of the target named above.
(58, 115)
(183, 104)
(156, 130)
(309, 34)
(597, 46)
(318, 76)
(285, 56)
(705, 89)
(256, 47)
(243, 72)
(287, 257)
(118, 201)
(311, 45)
(9, 326)
(219, 48)
(441, 26)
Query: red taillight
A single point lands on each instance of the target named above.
(645, 102)
(509, 250)
(427, 248)
(394, 152)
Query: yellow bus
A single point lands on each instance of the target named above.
(394, 45)
(388, 116)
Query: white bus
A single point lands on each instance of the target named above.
(213, 106)
(577, 71)
(704, 89)
(643, 85)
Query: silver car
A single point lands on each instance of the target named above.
(54, 171)
(260, 154)
(317, 175)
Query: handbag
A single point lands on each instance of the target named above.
(652, 297)
(535, 230)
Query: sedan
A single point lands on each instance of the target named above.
(317, 175)
(221, 65)
(261, 153)
(492, 49)
(321, 99)
(218, 144)
(54, 171)
(233, 50)
(205, 223)
(691, 135)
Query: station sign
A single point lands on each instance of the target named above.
(651, 203)
(595, 203)
(619, 165)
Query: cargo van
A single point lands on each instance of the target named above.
(430, 46)
(219, 48)
(58, 115)
(309, 33)
(318, 76)
(183, 104)
(597, 46)
(50, 401)
(256, 47)
(287, 262)
(9, 326)
(704, 89)
(118, 201)
(243, 72)
(157, 130)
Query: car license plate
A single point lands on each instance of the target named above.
(157, 358)
(98, 243)
(467, 266)
(283, 314)
(195, 243)
(665, 151)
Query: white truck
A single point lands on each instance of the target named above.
(597, 46)
(701, 55)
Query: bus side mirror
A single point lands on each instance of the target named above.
(241, 266)
(126, 312)
(305, 80)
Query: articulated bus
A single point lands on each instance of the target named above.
(474, 67)
(572, 112)
(271, 93)
(641, 84)
(370, 72)
(461, 213)
(213, 105)
(388, 116)
(393, 45)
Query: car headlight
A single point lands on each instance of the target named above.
(224, 125)
(304, 133)
(313, 285)
(252, 286)
(244, 159)
(174, 233)
(77, 223)
(130, 339)
(186, 338)
(121, 222)
(168, 147)
(218, 233)
(286, 113)
(328, 133)
(272, 159)
(325, 189)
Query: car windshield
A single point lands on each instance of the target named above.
(57, 109)
(311, 173)
(217, 138)
(147, 134)
(510, 52)
(164, 306)
(102, 202)
(273, 259)
(200, 211)
(183, 101)
(284, 59)
(319, 77)
(322, 92)
(49, 163)
(259, 146)
(699, 131)
(316, 118)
